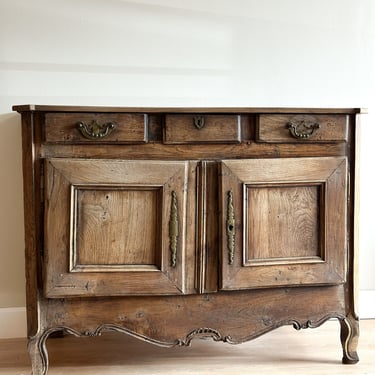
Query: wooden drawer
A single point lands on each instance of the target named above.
(95, 127)
(302, 128)
(202, 128)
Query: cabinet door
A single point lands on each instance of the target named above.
(284, 222)
(117, 227)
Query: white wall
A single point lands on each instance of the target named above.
(317, 53)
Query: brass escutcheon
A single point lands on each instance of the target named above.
(198, 121)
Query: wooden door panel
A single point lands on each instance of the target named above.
(116, 229)
(109, 227)
(283, 222)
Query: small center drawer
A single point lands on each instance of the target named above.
(201, 128)
(301, 128)
(96, 128)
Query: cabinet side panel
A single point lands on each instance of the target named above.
(32, 264)
(356, 171)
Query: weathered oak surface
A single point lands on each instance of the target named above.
(180, 223)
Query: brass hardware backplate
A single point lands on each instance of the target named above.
(302, 127)
(95, 131)
(230, 227)
(173, 229)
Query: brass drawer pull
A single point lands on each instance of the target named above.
(173, 229)
(230, 227)
(94, 131)
(302, 129)
(199, 121)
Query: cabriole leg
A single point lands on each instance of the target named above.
(349, 339)
(38, 354)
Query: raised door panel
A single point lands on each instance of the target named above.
(117, 227)
(283, 222)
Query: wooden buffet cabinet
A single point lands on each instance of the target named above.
(175, 223)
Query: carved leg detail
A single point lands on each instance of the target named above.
(38, 354)
(349, 339)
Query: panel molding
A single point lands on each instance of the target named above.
(61, 175)
(329, 174)
(249, 250)
(76, 266)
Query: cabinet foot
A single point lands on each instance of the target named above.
(38, 354)
(349, 339)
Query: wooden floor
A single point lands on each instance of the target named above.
(283, 351)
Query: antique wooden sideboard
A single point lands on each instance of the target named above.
(170, 224)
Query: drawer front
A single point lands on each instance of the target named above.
(94, 127)
(302, 128)
(202, 128)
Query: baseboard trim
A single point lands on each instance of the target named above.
(12, 322)
(13, 319)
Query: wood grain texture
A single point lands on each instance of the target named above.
(354, 217)
(207, 230)
(64, 176)
(274, 128)
(118, 227)
(330, 266)
(159, 151)
(181, 129)
(129, 128)
(99, 233)
(31, 212)
(66, 108)
(248, 314)
(282, 222)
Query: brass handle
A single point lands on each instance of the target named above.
(173, 229)
(198, 121)
(94, 131)
(302, 129)
(230, 227)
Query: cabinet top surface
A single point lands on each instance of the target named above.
(66, 108)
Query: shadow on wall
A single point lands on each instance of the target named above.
(12, 281)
